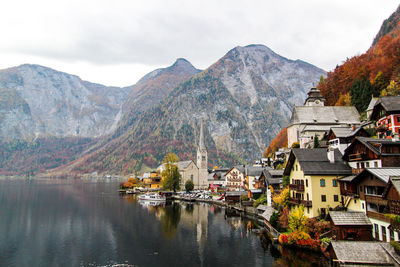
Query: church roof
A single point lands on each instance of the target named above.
(183, 164)
(325, 115)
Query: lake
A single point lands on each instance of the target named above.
(87, 223)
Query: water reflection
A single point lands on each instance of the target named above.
(78, 223)
(170, 217)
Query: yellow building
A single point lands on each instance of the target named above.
(154, 181)
(314, 175)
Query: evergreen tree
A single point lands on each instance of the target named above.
(316, 141)
(189, 186)
(361, 92)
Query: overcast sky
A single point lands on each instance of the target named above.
(116, 42)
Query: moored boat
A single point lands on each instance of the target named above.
(152, 197)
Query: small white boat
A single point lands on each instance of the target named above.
(152, 197)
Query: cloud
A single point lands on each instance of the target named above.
(154, 33)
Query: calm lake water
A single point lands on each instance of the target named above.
(82, 223)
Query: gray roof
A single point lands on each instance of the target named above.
(262, 207)
(348, 178)
(325, 115)
(372, 103)
(364, 252)
(268, 213)
(344, 131)
(389, 103)
(384, 173)
(254, 171)
(315, 161)
(183, 164)
(396, 182)
(349, 218)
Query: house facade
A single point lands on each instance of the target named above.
(370, 185)
(366, 152)
(314, 118)
(386, 113)
(314, 175)
(235, 178)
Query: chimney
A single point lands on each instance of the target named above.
(331, 155)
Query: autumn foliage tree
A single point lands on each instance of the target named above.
(378, 66)
(279, 142)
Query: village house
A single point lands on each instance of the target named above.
(370, 185)
(153, 180)
(315, 119)
(314, 175)
(216, 179)
(350, 226)
(252, 181)
(235, 178)
(386, 113)
(342, 137)
(366, 152)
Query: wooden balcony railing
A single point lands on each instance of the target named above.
(357, 156)
(377, 216)
(296, 187)
(345, 192)
(378, 200)
(296, 201)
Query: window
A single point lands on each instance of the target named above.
(389, 121)
(370, 190)
(391, 234)
(323, 198)
(376, 164)
(334, 183)
(191, 177)
(398, 118)
(362, 206)
(376, 228)
(306, 183)
(336, 198)
(367, 164)
(296, 167)
(358, 165)
(322, 182)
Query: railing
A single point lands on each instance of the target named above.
(377, 216)
(297, 187)
(306, 203)
(347, 192)
(357, 156)
(296, 201)
(378, 200)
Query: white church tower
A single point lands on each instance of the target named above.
(202, 160)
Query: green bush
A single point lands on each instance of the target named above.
(261, 200)
(395, 245)
(244, 198)
(274, 219)
(189, 186)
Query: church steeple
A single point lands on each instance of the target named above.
(201, 150)
(201, 139)
(314, 98)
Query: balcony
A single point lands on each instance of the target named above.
(358, 156)
(376, 199)
(377, 216)
(296, 201)
(296, 187)
(306, 203)
(357, 171)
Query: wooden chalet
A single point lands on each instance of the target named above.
(386, 113)
(342, 137)
(370, 186)
(392, 195)
(366, 152)
(350, 226)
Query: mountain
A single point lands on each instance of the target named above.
(371, 71)
(153, 88)
(38, 102)
(244, 100)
